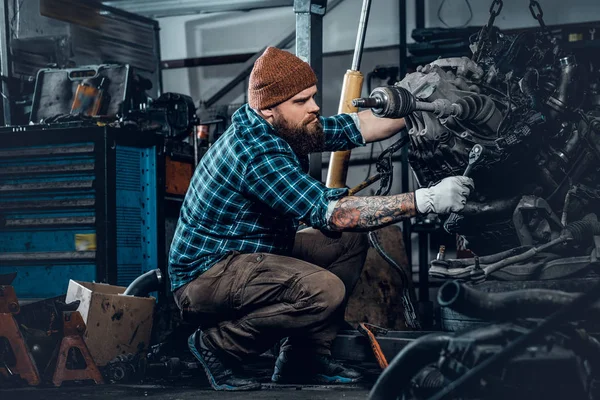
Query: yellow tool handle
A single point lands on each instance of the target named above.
(338, 164)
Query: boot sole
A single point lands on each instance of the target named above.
(209, 375)
(335, 379)
(319, 378)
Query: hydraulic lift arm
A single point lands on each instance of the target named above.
(351, 89)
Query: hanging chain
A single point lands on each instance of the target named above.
(537, 13)
(495, 10)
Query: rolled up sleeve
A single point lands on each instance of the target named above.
(278, 181)
(341, 133)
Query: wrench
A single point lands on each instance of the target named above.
(474, 156)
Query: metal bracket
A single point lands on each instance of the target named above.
(310, 6)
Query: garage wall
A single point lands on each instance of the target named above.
(242, 32)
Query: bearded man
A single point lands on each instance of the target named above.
(238, 266)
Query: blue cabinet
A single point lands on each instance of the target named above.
(81, 203)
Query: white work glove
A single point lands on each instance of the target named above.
(448, 196)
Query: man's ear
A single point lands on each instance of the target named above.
(267, 114)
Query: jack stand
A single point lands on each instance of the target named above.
(24, 365)
(74, 327)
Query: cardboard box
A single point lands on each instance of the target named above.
(115, 324)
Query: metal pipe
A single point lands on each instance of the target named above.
(195, 144)
(144, 284)
(404, 171)
(423, 267)
(490, 269)
(371, 180)
(360, 37)
(309, 47)
(6, 72)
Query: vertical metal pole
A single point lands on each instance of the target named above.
(406, 226)
(420, 13)
(309, 47)
(423, 270)
(195, 144)
(362, 33)
(5, 66)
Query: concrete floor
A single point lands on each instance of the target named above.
(138, 392)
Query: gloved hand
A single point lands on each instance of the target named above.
(449, 195)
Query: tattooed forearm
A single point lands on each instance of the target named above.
(369, 212)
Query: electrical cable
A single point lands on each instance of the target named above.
(439, 14)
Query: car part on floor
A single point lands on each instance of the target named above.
(144, 284)
(501, 361)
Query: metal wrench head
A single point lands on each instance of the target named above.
(475, 153)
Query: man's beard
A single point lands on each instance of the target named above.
(303, 138)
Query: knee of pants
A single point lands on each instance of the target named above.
(324, 290)
(357, 241)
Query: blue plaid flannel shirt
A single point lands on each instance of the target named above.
(248, 194)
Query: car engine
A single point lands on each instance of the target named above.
(532, 111)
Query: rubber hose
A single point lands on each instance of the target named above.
(414, 357)
(529, 303)
(583, 230)
(144, 284)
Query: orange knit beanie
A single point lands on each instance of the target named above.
(276, 77)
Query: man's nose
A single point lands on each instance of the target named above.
(313, 107)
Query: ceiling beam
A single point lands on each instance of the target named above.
(171, 8)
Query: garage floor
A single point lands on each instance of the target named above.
(163, 392)
(192, 384)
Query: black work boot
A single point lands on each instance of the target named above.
(219, 375)
(292, 367)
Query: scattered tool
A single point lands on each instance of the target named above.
(474, 156)
(371, 331)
